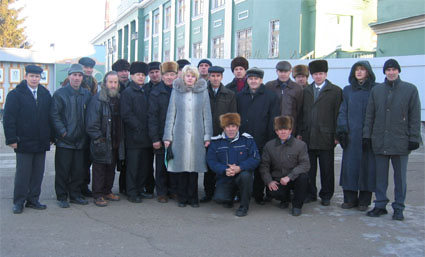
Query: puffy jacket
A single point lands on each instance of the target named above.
(223, 102)
(134, 114)
(99, 128)
(68, 114)
(26, 121)
(241, 151)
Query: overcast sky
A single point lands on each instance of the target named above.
(68, 24)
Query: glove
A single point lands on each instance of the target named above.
(343, 139)
(413, 146)
(366, 144)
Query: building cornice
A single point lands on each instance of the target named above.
(402, 24)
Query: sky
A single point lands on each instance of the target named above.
(68, 24)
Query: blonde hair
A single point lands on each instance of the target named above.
(190, 69)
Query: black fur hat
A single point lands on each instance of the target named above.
(318, 66)
(139, 67)
(239, 61)
(121, 65)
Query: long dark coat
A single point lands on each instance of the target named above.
(223, 102)
(358, 166)
(26, 121)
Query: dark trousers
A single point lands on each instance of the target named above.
(69, 167)
(399, 163)
(258, 186)
(300, 187)
(327, 177)
(224, 193)
(103, 176)
(209, 183)
(28, 177)
(358, 197)
(139, 165)
(121, 181)
(187, 187)
(87, 164)
(161, 175)
(150, 181)
(173, 180)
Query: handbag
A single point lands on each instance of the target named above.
(168, 155)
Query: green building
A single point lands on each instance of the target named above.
(161, 30)
(400, 27)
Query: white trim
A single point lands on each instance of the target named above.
(180, 25)
(136, 41)
(197, 30)
(205, 30)
(166, 30)
(180, 36)
(243, 15)
(218, 9)
(172, 30)
(160, 25)
(228, 15)
(197, 17)
(188, 7)
(238, 1)
(399, 25)
(217, 23)
(166, 40)
(150, 42)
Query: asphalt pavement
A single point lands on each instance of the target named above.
(163, 229)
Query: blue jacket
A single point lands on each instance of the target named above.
(241, 151)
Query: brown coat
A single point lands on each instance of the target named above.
(290, 99)
(280, 160)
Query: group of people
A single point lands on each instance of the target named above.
(250, 139)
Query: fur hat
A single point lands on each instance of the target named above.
(169, 67)
(121, 65)
(139, 67)
(87, 62)
(318, 66)
(300, 70)
(283, 122)
(391, 63)
(230, 118)
(239, 61)
(154, 65)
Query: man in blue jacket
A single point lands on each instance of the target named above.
(27, 130)
(233, 157)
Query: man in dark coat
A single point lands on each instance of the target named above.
(239, 66)
(285, 164)
(258, 106)
(222, 101)
(317, 127)
(104, 126)
(122, 67)
(358, 167)
(68, 114)
(233, 157)
(392, 127)
(27, 130)
(290, 94)
(158, 106)
(134, 113)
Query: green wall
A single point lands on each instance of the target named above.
(395, 9)
(408, 42)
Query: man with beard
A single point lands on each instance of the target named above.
(105, 129)
(203, 67)
(68, 114)
(134, 113)
(122, 68)
(158, 106)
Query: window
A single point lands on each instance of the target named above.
(147, 28)
(180, 11)
(198, 5)
(167, 22)
(155, 57)
(197, 50)
(218, 48)
(166, 55)
(156, 24)
(274, 39)
(217, 3)
(180, 53)
(244, 43)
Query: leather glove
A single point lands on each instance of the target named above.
(343, 139)
(366, 144)
(413, 146)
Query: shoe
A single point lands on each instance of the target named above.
(241, 211)
(112, 197)
(309, 199)
(79, 200)
(325, 202)
(162, 199)
(63, 203)
(181, 204)
(348, 205)
(174, 196)
(36, 205)
(283, 205)
(376, 212)
(100, 202)
(362, 207)
(398, 215)
(296, 211)
(205, 199)
(195, 205)
(228, 205)
(260, 201)
(147, 195)
(18, 208)
(86, 192)
(134, 199)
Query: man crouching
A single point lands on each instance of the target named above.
(233, 157)
(285, 165)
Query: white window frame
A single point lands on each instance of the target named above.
(167, 20)
(147, 28)
(274, 39)
(218, 42)
(180, 11)
(155, 25)
(180, 53)
(198, 6)
(197, 50)
(246, 50)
